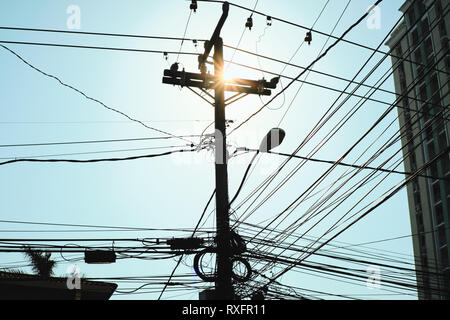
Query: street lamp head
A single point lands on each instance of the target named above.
(272, 139)
(274, 81)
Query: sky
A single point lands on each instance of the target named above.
(171, 192)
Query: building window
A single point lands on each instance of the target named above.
(444, 257)
(425, 26)
(442, 30)
(445, 165)
(434, 170)
(436, 192)
(423, 92)
(414, 37)
(442, 236)
(438, 213)
(426, 112)
(447, 188)
(429, 134)
(421, 8)
(428, 49)
(447, 283)
(434, 84)
(442, 140)
(438, 8)
(418, 60)
(411, 16)
(438, 110)
(444, 43)
(430, 149)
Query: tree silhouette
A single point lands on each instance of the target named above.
(41, 263)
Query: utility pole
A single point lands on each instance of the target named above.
(223, 283)
(242, 87)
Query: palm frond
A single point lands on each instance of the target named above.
(41, 262)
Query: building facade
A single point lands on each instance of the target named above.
(421, 69)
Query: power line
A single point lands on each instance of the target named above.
(88, 97)
(375, 50)
(91, 141)
(303, 42)
(317, 125)
(191, 53)
(331, 210)
(309, 72)
(93, 226)
(343, 91)
(193, 233)
(91, 152)
(330, 116)
(100, 34)
(350, 149)
(96, 160)
(277, 244)
(158, 51)
(95, 47)
(350, 165)
(286, 63)
(184, 34)
(387, 197)
(304, 71)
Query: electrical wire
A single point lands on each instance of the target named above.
(317, 126)
(304, 71)
(88, 97)
(96, 160)
(374, 50)
(309, 71)
(90, 141)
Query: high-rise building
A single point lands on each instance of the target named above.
(421, 64)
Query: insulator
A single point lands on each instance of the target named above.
(193, 5)
(249, 23)
(308, 37)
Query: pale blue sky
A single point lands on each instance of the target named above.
(171, 192)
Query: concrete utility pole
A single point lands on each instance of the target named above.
(203, 81)
(223, 283)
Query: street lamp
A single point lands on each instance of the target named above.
(272, 140)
